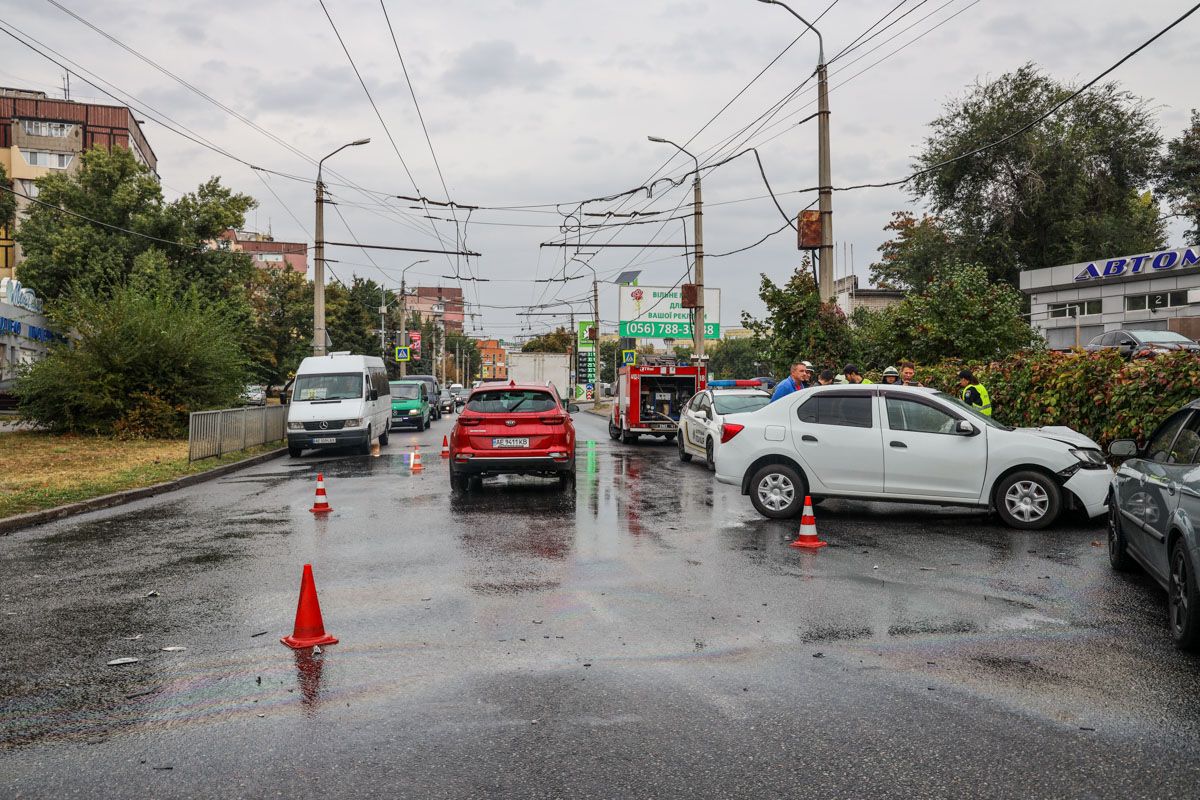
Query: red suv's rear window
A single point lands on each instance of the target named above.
(511, 401)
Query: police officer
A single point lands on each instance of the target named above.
(974, 393)
(891, 376)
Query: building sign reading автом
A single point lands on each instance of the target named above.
(1143, 264)
(657, 312)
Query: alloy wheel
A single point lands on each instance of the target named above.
(1179, 590)
(1027, 501)
(776, 491)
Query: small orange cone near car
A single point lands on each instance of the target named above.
(309, 629)
(808, 529)
(445, 447)
(416, 460)
(321, 504)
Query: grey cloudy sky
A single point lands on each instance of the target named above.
(531, 102)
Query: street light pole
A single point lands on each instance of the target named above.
(319, 334)
(824, 179)
(698, 218)
(404, 312)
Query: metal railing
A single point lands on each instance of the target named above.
(214, 433)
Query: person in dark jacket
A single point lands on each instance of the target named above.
(974, 393)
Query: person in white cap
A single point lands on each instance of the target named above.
(891, 376)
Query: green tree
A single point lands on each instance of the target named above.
(798, 325)
(111, 187)
(352, 313)
(912, 256)
(141, 356)
(281, 335)
(1070, 189)
(560, 340)
(1179, 180)
(8, 204)
(464, 346)
(734, 359)
(959, 314)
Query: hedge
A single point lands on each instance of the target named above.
(1099, 394)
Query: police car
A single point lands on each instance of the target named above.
(701, 419)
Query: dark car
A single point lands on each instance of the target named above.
(1142, 343)
(446, 403)
(515, 429)
(1153, 506)
(433, 388)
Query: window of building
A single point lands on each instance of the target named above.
(45, 158)
(1142, 302)
(27, 187)
(1086, 308)
(37, 127)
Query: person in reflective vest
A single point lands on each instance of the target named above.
(974, 393)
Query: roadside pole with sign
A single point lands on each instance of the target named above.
(585, 361)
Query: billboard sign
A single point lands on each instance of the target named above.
(657, 312)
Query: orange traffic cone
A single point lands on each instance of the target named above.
(321, 505)
(416, 460)
(445, 447)
(309, 629)
(375, 449)
(808, 528)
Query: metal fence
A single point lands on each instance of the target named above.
(214, 433)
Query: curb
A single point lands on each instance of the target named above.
(34, 518)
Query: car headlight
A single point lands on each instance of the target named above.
(414, 412)
(1089, 457)
(354, 423)
(295, 426)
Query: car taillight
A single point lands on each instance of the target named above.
(553, 420)
(730, 430)
(470, 420)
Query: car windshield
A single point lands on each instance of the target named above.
(739, 403)
(961, 406)
(507, 401)
(1161, 337)
(406, 391)
(347, 386)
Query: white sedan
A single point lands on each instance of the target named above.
(701, 419)
(908, 444)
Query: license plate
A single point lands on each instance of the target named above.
(510, 441)
(326, 440)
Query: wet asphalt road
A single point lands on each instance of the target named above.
(644, 634)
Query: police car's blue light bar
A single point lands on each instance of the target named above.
(733, 384)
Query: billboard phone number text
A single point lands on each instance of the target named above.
(662, 330)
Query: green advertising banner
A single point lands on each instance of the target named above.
(581, 338)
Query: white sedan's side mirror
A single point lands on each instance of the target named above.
(965, 428)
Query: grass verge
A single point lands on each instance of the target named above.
(43, 470)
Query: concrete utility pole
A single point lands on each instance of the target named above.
(824, 179)
(319, 334)
(698, 219)
(404, 312)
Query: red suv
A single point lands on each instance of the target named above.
(518, 429)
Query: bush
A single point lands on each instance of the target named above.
(139, 358)
(1098, 394)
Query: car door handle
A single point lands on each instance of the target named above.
(900, 445)
(808, 438)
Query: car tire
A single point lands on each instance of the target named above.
(777, 491)
(670, 437)
(295, 452)
(565, 480)
(1027, 500)
(709, 460)
(614, 432)
(459, 483)
(383, 439)
(628, 437)
(364, 449)
(684, 455)
(1183, 599)
(1118, 545)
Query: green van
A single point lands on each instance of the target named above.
(410, 405)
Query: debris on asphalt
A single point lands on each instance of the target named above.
(317, 650)
(133, 638)
(258, 680)
(1097, 543)
(141, 694)
(537, 622)
(875, 567)
(116, 662)
(1082, 728)
(260, 633)
(928, 569)
(818, 655)
(152, 593)
(174, 649)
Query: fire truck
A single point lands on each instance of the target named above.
(650, 397)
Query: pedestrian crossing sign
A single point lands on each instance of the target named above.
(629, 357)
(403, 353)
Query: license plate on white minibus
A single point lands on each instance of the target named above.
(326, 440)
(510, 441)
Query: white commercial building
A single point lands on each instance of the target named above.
(25, 334)
(1149, 291)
